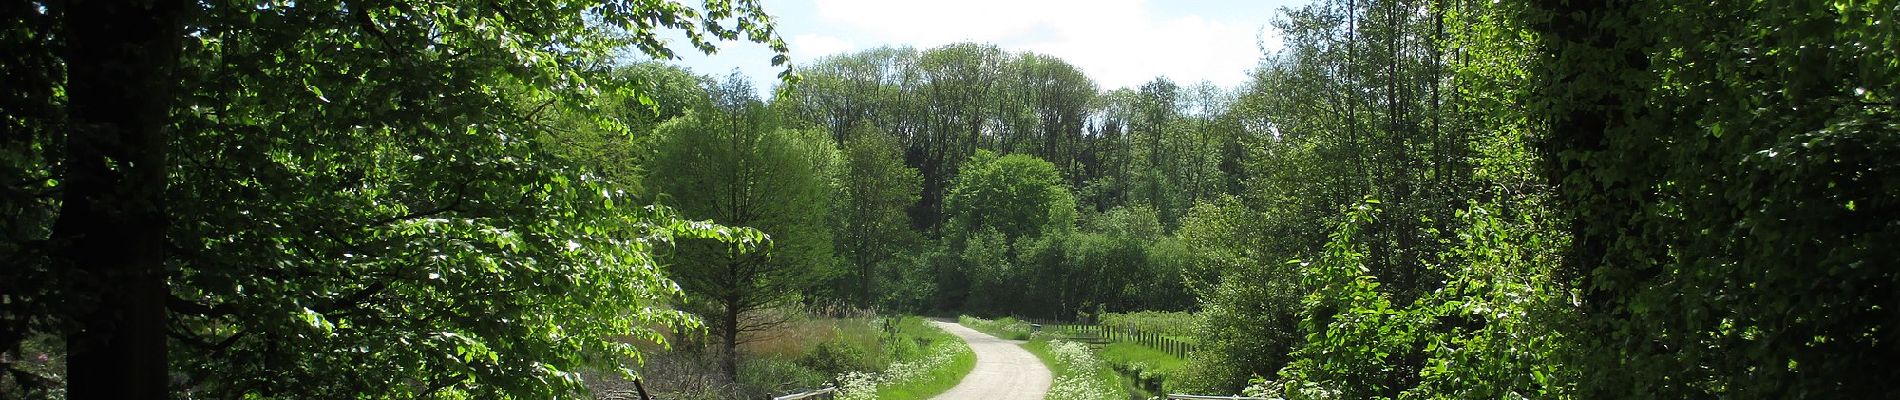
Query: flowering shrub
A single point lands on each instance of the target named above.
(1080, 375)
(864, 385)
(857, 385)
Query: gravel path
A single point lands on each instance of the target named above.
(1004, 371)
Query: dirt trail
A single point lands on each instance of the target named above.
(1004, 371)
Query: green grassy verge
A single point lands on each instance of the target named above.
(1079, 373)
(935, 382)
(931, 362)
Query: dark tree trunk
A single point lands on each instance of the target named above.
(866, 267)
(1599, 104)
(729, 342)
(119, 55)
(1593, 83)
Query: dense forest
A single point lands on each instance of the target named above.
(482, 199)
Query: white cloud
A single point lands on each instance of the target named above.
(1120, 43)
(810, 46)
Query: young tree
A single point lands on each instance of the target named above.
(732, 165)
(871, 226)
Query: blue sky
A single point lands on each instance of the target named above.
(1119, 43)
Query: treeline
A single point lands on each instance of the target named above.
(848, 219)
(1041, 195)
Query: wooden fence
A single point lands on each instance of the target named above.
(1104, 333)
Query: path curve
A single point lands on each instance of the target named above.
(1004, 371)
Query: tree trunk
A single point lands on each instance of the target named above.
(866, 268)
(119, 55)
(729, 339)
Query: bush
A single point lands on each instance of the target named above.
(1249, 325)
(38, 369)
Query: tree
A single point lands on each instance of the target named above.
(1017, 195)
(111, 224)
(730, 164)
(872, 227)
(610, 135)
(996, 203)
(1048, 102)
(332, 199)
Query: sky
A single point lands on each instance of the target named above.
(1118, 43)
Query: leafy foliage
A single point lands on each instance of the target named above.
(365, 199)
(1627, 198)
(1016, 195)
(1733, 247)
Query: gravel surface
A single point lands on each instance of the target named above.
(1004, 371)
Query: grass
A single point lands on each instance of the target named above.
(802, 335)
(928, 362)
(1006, 327)
(1079, 373)
(1132, 354)
(939, 380)
(1146, 369)
(887, 358)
